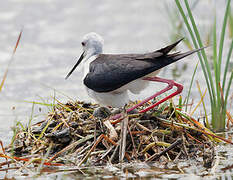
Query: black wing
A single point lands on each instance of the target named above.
(110, 72)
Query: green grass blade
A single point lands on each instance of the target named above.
(31, 117)
(203, 103)
(21, 126)
(223, 37)
(215, 56)
(216, 66)
(227, 65)
(45, 128)
(187, 24)
(39, 103)
(228, 88)
(207, 67)
(196, 46)
(230, 24)
(190, 87)
(180, 103)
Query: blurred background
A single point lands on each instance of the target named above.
(50, 45)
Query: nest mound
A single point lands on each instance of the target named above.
(78, 133)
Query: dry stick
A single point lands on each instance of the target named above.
(11, 59)
(215, 136)
(124, 125)
(83, 150)
(229, 119)
(195, 129)
(112, 132)
(178, 155)
(227, 168)
(173, 145)
(127, 156)
(114, 153)
(157, 143)
(3, 150)
(138, 132)
(18, 159)
(95, 130)
(106, 153)
(184, 147)
(134, 147)
(71, 146)
(24, 167)
(6, 163)
(92, 149)
(102, 136)
(190, 136)
(116, 121)
(10, 168)
(143, 127)
(14, 159)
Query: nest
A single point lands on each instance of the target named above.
(78, 133)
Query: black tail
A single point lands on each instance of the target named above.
(166, 59)
(167, 49)
(177, 56)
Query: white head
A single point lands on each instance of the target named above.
(92, 44)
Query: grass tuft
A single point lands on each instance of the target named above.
(215, 84)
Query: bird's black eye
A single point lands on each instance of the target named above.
(83, 43)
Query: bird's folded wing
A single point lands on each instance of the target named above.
(110, 72)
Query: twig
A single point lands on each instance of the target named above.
(217, 161)
(124, 125)
(157, 156)
(94, 146)
(113, 134)
(92, 149)
(11, 60)
(106, 153)
(191, 137)
(131, 136)
(143, 127)
(114, 153)
(3, 150)
(71, 146)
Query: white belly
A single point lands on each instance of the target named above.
(118, 97)
(113, 99)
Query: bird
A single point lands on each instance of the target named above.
(108, 78)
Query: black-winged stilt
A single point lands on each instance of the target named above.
(109, 77)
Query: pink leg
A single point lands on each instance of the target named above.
(170, 85)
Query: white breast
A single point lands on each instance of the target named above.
(110, 98)
(86, 65)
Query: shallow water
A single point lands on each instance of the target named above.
(172, 170)
(52, 32)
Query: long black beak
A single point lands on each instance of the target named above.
(78, 62)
